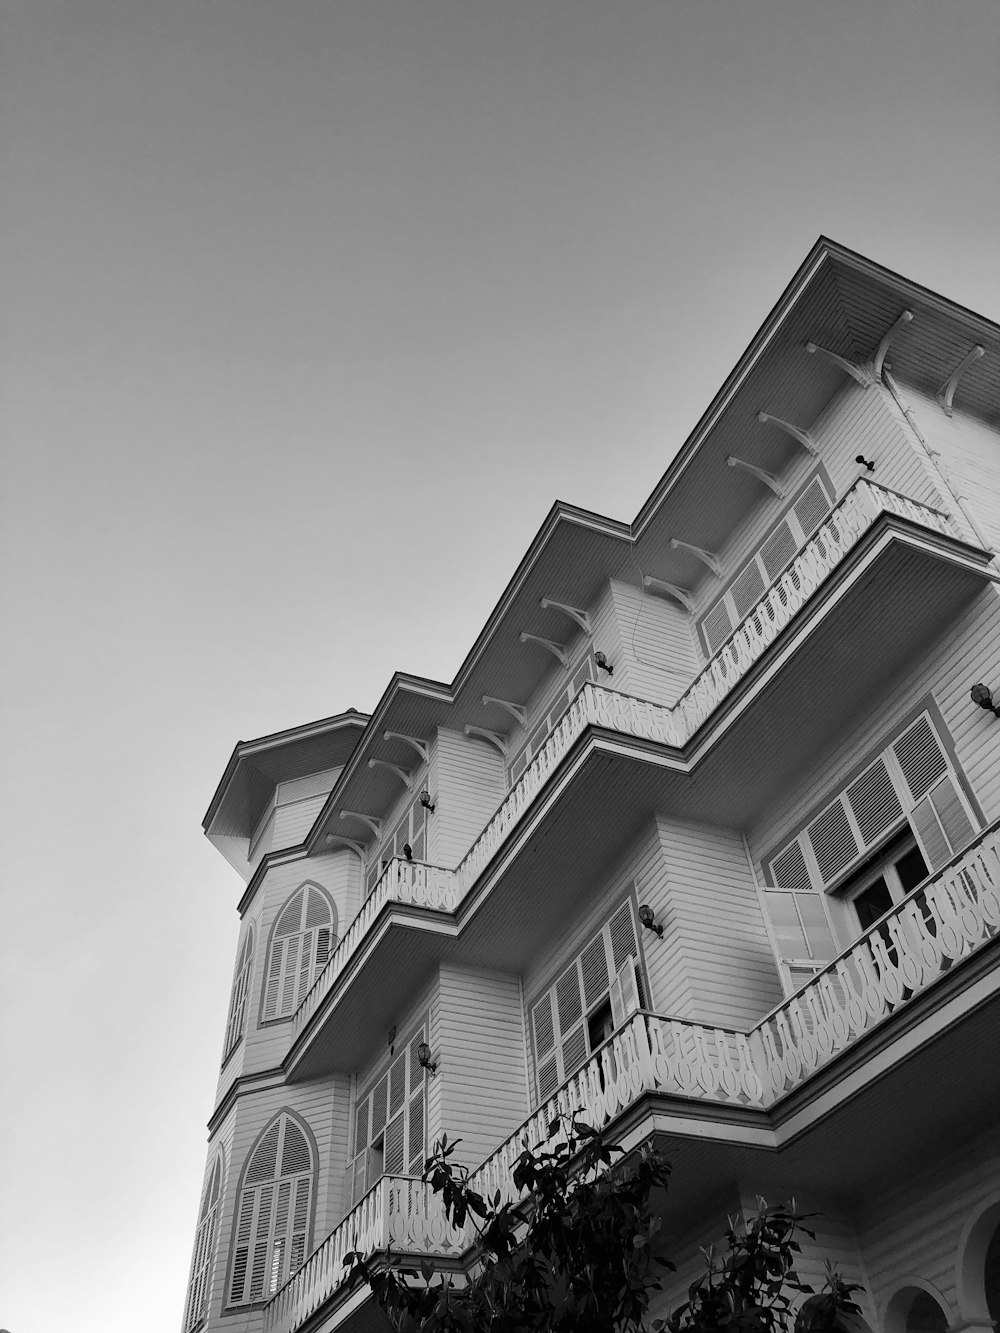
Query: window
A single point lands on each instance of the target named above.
(303, 937)
(412, 831)
(390, 1123)
(911, 789)
(585, 670)
(204, 1249)
(238, 1003)
(592, 997)
(273, 1215)
(772, 557)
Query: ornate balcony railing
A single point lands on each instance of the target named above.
(930, 932)
(594, 705)
(401, 882)
(937, 925)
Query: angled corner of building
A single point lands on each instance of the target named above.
(702, 842)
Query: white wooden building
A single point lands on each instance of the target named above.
(745, 717)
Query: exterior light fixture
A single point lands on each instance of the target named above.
(407, 851)
(424, 1058)
(865, 463)
(980, 694)
(649, 920)
(425, 799)
(603, 663)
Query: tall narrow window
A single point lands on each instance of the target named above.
(389, 1122)
(592, 997)
(304, 935)
(273, 1214)
(204, 1249)
(241, 988)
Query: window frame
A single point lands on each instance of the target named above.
(361, 1172)
(205, 1244)
(299, 987)
(274, 1274)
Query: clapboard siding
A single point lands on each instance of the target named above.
(293, 821)
(964, 652)
(717, 965)
(970, 458)
(480, 1031)
(915, 1226)
(657, 657)
(468, 783)
(339, 873)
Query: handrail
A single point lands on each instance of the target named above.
(595, 705)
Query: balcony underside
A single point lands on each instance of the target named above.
(875, 618)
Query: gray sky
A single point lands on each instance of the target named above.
(310, 311)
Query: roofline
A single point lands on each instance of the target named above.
(243, 749)
(822, 252)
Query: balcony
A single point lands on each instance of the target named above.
(445, 893)
(925, 938)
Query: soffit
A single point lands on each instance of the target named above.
(256, 767)
(926, 351)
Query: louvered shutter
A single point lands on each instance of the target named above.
(204, 1251)
(569, 1010)
(241, 986)
(300, 946)
(747, 590)
(622, 932)
(874, 802)
(717, 627)
(778, 550)
(941, 824)
(811, 507)
(394, 1152)
(416, 1151)
(624, 993)
(594, 966)
(546, 1062)
(833, 841)
(274, 979)
(920, 757)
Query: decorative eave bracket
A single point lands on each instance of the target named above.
(412, 741)
(883, 346)
(355, 847)
(771, 482)
(519, 714)
(855, 372)
(400, 773)
(374, 824)
(669, 590)
(581, 617)
(946, 392)
(796, 432)
(554, 648)
(493, 737)
(708, 558)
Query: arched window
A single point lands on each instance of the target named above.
(204, 1249)
(916, 1308)
(241, 988)
(303, 937)
(273, 1215)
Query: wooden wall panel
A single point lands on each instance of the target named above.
(480, 1046)
(468, 783)
(709, 972)
(657, 656)
(970, 458)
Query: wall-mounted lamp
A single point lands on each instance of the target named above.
(603, 663)
(407, 851)
(980, 694)
(865, 463)
(425, 799)
(424, 1058)
(649, 920)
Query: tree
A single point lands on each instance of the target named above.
(575, 1251)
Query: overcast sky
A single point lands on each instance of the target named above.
(311, 308)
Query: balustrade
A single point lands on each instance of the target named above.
(595, 705)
